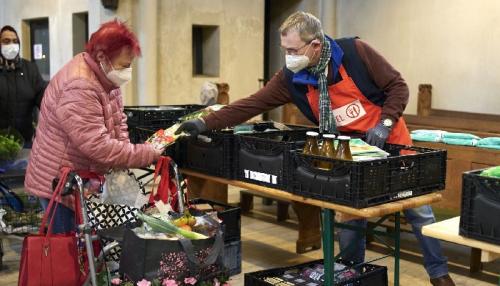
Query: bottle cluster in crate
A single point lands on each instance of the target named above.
(328, 148)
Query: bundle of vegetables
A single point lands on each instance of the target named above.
(493, 172)
(163, 226)
(11, 142)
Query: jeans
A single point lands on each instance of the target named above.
(435, 263)
(64, 218)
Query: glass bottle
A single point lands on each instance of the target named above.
(343, 149)
(311, 147)
(327, 150)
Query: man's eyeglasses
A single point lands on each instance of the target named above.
(293, 51)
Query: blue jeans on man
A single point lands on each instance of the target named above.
(435, 263)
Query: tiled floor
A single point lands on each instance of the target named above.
(268, 244)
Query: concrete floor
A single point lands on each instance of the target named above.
(269, 244)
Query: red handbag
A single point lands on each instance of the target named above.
(51, 259)
(167, 189)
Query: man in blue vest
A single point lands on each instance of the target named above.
(340, 85)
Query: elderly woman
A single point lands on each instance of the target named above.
(82, 124)
(21, 86)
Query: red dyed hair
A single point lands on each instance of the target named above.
(111, 38)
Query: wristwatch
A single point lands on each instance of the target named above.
(387, 123)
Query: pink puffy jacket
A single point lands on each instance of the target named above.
(81, 126)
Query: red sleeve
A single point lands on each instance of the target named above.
(274, 94)
(387, 78)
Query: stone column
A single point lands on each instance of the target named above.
(146, 19)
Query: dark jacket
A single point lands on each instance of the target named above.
(21, 90)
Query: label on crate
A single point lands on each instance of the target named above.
(261, 177)
(403, 194)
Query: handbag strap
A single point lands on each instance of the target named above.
(53, 204)
(195, 263)
(51, 209)
(163, 190)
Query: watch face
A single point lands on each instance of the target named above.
(387, 122)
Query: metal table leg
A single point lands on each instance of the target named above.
(328, 245)
(328, 249)
(397, 236)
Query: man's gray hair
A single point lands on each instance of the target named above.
(306, 24)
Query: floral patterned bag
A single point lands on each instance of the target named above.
(174, 260)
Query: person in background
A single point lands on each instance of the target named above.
(82, 125)
(208, 93)
(21, 87)
(341, 85)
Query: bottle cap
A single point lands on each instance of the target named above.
(329, 136)
(312, 133)
(344, 138)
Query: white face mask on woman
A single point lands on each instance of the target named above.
(10, 51)
(118, 77)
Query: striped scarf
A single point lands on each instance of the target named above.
(8, 65)
(326, 118)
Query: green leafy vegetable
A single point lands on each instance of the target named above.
(10, 144)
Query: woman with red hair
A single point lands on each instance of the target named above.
(82, 125)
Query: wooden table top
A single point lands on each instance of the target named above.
(448, 230)
(374, 211)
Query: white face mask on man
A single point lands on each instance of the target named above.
(118, 77)
(10, 51)
(296, 63)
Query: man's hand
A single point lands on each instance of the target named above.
(377, 135)
(192, 127)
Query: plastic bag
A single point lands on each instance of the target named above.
(122, 188)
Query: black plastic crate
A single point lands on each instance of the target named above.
(21, 213)
(368, 275)
(480, 207)
(232, 257)
(210, 153)
(409, 171)
(263, 158)
(230, 216)
(416, 167)
(149, 115)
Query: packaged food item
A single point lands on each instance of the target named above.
(317, 272)
(164, 138)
